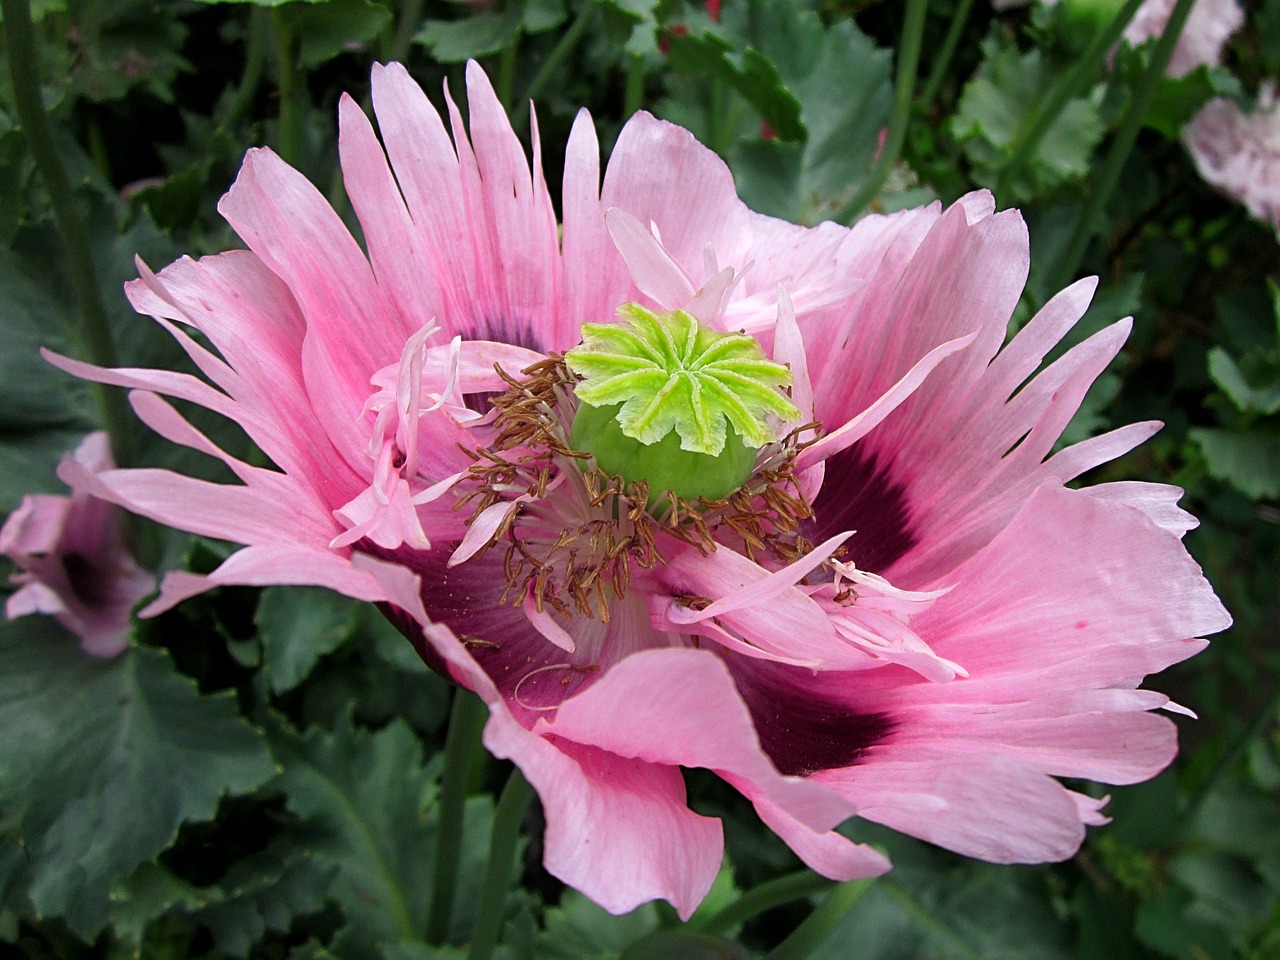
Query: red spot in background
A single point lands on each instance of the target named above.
(766, 131)
(664, 41)
(713, 10)
(1081, 624)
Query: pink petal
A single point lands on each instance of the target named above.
(995, 808)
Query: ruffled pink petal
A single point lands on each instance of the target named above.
(998, 809)
(264, 566)
(656, 273)
(824, 852)
(401, 266)
(680, 707)
(1159, 501)
(618, 829)
(649, 156)
(352, 329)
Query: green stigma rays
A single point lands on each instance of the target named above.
(673, 403)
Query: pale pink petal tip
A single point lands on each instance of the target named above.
(73, 561)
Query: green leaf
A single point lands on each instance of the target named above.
(365, 800)
(842, 82)
(1255, 396)
(580, 930)
(264, 891)
(327, 30)
(678, 945)
(997, 109)
(298, 626)
(709, 53)
(102, 762)
(489, 31)
(1166, 926)
(1249, 460)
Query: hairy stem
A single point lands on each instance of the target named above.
(1125, 138)
(461, 747)
(793, 886)
(1069, 87)
(515, 799)
(903, 88)
(819, 925)
(289, 79)
(942, 62)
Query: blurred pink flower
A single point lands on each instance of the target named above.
(1239, 153)
(906, 616)
(73, 559)
(1209, 25)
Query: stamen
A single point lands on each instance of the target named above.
(576, 550)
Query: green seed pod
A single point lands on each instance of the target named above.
(675, 404)
(663, 465)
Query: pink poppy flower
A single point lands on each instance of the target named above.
(904, 615)
(1239, 153)
(73, 560)
(1209, 25)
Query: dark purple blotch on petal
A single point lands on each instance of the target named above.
(519, 333)
(802, 727)
(527, 669)
(89, 582)
(859, 493)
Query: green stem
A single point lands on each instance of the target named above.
(555, 59)
(292, 89)
(635, 85)
(821, 923)
(943, 60)
(461, 748)
(793, 886)
(406, 27)
(506, 79)
(904, 85)
(1071, 86)
(717, 122)
(1121, 147)
(497, 875)
(92, 335)
(251, 77)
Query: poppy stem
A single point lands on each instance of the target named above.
(251, 77)
(1070, 86)
(903, 88)
(942, 61)
(819, 925)
(1069, 263)
(92, 335)
(461, 748)
(407, 25)
(793, 886)
(289, 80)
(503, 841)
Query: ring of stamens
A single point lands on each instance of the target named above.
(575, 553)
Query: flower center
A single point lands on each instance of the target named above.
(583, 505)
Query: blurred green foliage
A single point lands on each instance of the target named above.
(257, 776)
